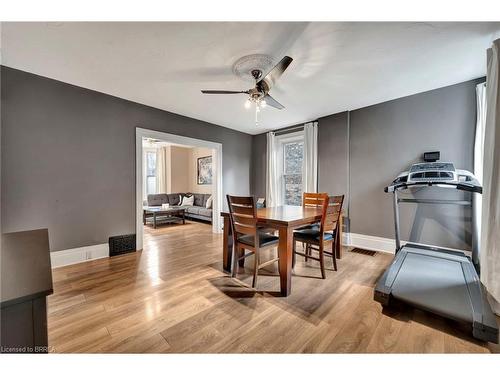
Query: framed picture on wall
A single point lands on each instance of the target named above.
(205, 170)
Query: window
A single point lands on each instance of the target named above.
(291, 151)
(150, 172)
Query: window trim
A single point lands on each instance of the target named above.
(281, 141)
(145, 151)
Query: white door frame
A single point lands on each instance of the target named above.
(188, 141)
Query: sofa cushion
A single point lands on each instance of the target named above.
(187, 200)
(209, 202)
(198, 199)
(205, 212)
(192, 210)
(157, 199)
(175, 198)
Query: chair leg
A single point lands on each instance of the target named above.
(294, 257)
(255, 269)
(322, 261)
(241, 257)
(334, 256)
(236, 254)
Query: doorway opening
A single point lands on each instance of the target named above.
(175, 177)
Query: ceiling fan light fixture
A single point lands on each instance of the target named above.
(258, 94)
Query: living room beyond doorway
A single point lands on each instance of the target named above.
(178, 181)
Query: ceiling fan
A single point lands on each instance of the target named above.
(260, 93)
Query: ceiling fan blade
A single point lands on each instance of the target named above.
(270, 79)
(272, 102)
(223, 92)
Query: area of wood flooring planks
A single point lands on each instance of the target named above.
(173, 297)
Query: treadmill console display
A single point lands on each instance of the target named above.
(441, 174)
(434, 172)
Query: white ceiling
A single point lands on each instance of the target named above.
(337, 66)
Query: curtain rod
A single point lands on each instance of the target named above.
(285, 130)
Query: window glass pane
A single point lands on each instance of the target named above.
(293, 155)
(151, 164)
(151, 185)
(293, 189)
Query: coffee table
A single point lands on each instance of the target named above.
(165, 214)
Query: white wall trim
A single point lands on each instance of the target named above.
(385, 245)
(78, 255)
(381, 244)
(188, 141)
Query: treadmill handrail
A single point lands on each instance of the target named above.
(459, 186)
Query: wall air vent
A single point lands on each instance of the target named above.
(121, 244)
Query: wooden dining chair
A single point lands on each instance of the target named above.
(247, 235)
(314, 200)
(316, 239)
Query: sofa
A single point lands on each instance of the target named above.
(197, 211)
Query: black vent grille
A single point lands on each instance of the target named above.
(364, 251)
(121, 244)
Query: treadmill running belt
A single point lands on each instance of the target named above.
(434, 283)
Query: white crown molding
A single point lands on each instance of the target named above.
(78, 255)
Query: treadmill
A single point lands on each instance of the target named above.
(435, 279)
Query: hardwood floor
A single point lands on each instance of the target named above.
(173, 297)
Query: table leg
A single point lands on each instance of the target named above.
(227, 249)
(183, 218)
(154, 220)
(144, 217)
(338, 241)
(285, 262)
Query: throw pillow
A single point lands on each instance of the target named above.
(180, 200)
(209, 202)
(188, 201)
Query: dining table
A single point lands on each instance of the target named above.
(284, 219)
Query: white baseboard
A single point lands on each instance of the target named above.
(78, 255)
(363, 241)
(83, 254)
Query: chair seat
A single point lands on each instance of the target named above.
(310, 226)
(265, 239)
(312, 234)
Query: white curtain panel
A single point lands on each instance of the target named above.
(310, 172)
(478, 161)
(490, 231)
(161, 170)
(272, 180)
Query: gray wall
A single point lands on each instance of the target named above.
(68, 158)
(367, 152)
(333, 157)
(387, 137)
(259, 154)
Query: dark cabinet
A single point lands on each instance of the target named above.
(26, 281)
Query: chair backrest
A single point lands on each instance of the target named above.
(331, 213)
(314, 199)
(243, 214)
